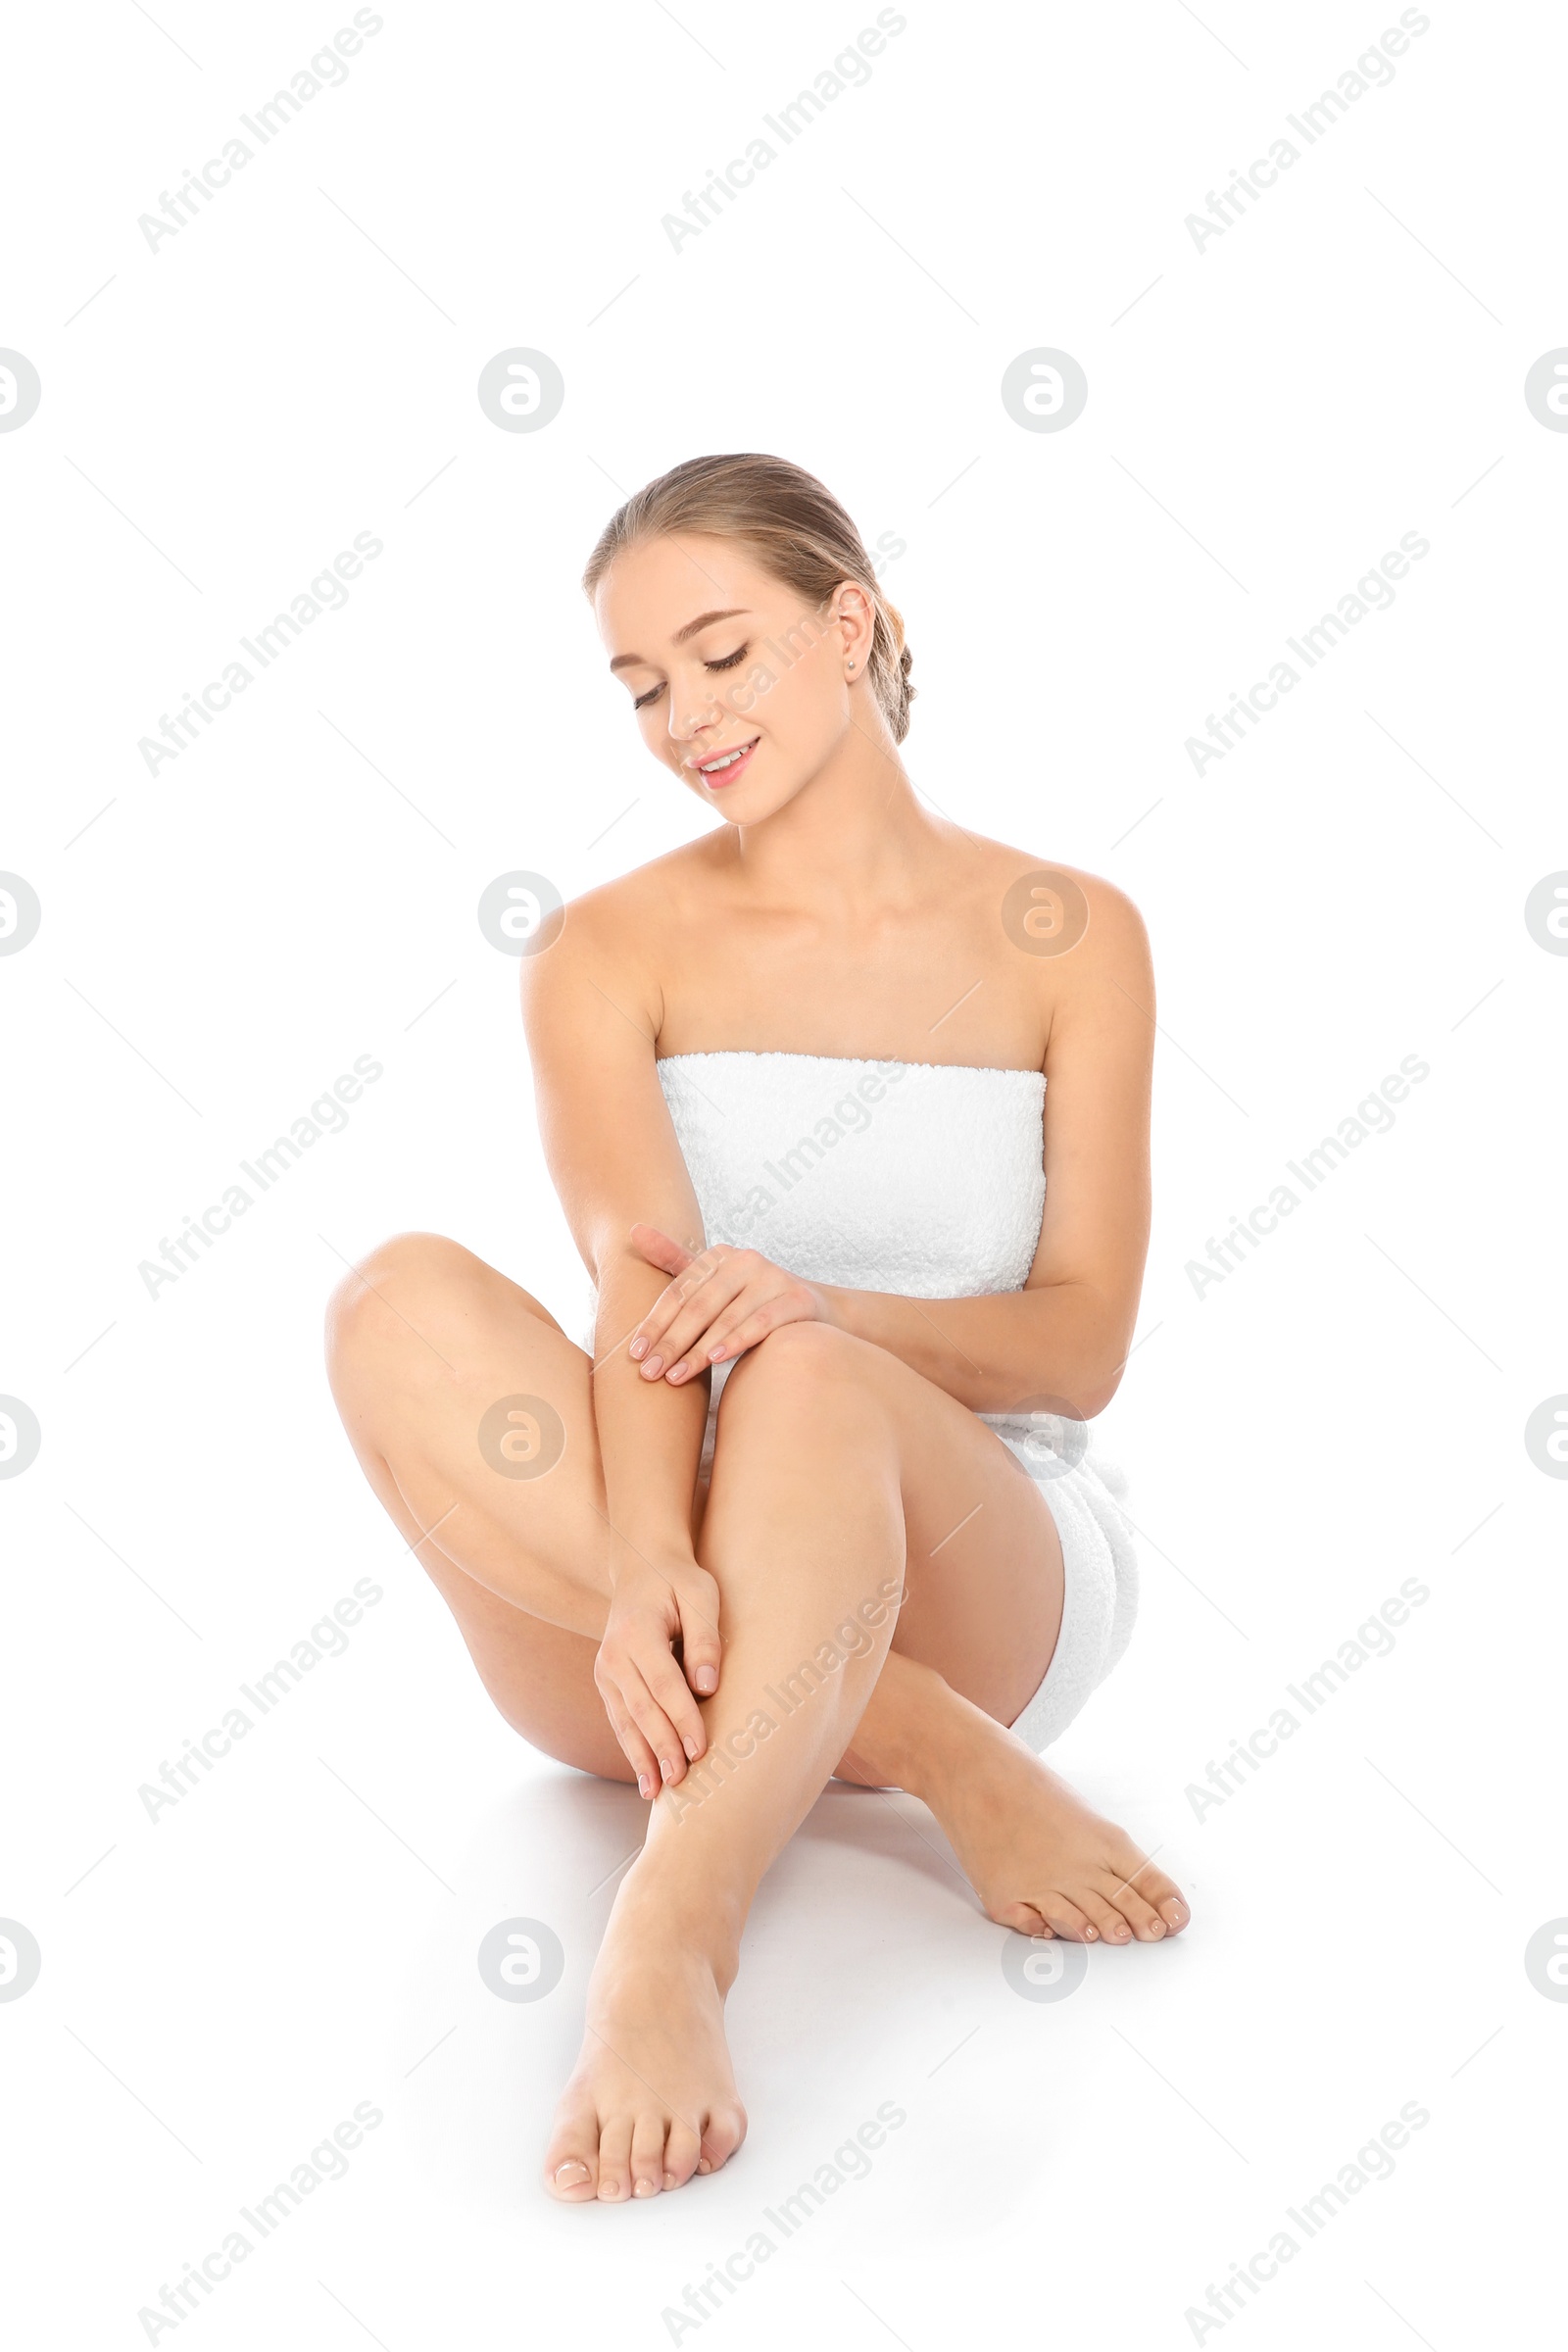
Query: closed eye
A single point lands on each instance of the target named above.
(723, 662)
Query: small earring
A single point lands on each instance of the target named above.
(850, 665)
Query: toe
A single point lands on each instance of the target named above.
(681, 2151)
(648, 2154)
(1064, 1918)
(1144, 1921)
(1022, 1917)
(571, 2166)
(1161, 1893)
(722, 2135)
(615, 2161)
(1114, 1928)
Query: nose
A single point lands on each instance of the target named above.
(692, 713)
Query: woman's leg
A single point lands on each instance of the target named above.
(1039, 1858)
(423, 1340)
(842, 1481)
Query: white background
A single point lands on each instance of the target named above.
(1266, 417)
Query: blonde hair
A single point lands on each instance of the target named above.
(796, 529)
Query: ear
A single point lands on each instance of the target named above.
(856, 616)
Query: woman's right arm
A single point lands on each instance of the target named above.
(592, 1015)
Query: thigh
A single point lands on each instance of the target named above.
(983, 1575)
(425, 1340)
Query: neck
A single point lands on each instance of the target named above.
(855, 832)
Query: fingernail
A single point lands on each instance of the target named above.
(645, 1787)
(691, 1751)
(715, 1355)
(666, 1770)
(677, 1372)
(573, 2164)
(706, 1680)
(651, 1367)
(639, 1349)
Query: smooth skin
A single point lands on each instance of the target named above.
(626, 1616)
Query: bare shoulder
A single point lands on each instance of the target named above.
(1061, 917)
(613, 940)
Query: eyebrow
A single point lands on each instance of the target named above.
(703, 620)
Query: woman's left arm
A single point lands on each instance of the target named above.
(1066, 1336)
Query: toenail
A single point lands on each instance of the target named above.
(1157, 1931)
(645, 2188)
(573, 2164)
(671, 2181)
(703, 2165)
(1089, 1935)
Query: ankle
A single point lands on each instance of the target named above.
(664, 1916)
(926, 1740)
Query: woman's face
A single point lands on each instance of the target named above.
(720, 659)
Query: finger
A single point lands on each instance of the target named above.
(634, 1747)
(702, 1646)
(678, 1351)
(668, 1305)
(659, 1250)
(668, 1689)
(756, 1323)
(662, 1311)
(743, 1323)
(655, 1728)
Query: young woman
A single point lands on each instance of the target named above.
(790, 1082)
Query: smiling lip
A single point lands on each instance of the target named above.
(717, 778)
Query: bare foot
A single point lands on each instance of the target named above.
(1039, 1859)
(652, 2098)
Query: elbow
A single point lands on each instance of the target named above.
(1093, 1394)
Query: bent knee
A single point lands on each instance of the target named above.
(800, 1360)
(409, 1281)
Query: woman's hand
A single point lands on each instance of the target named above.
(647, 1695)
(720, 1303)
